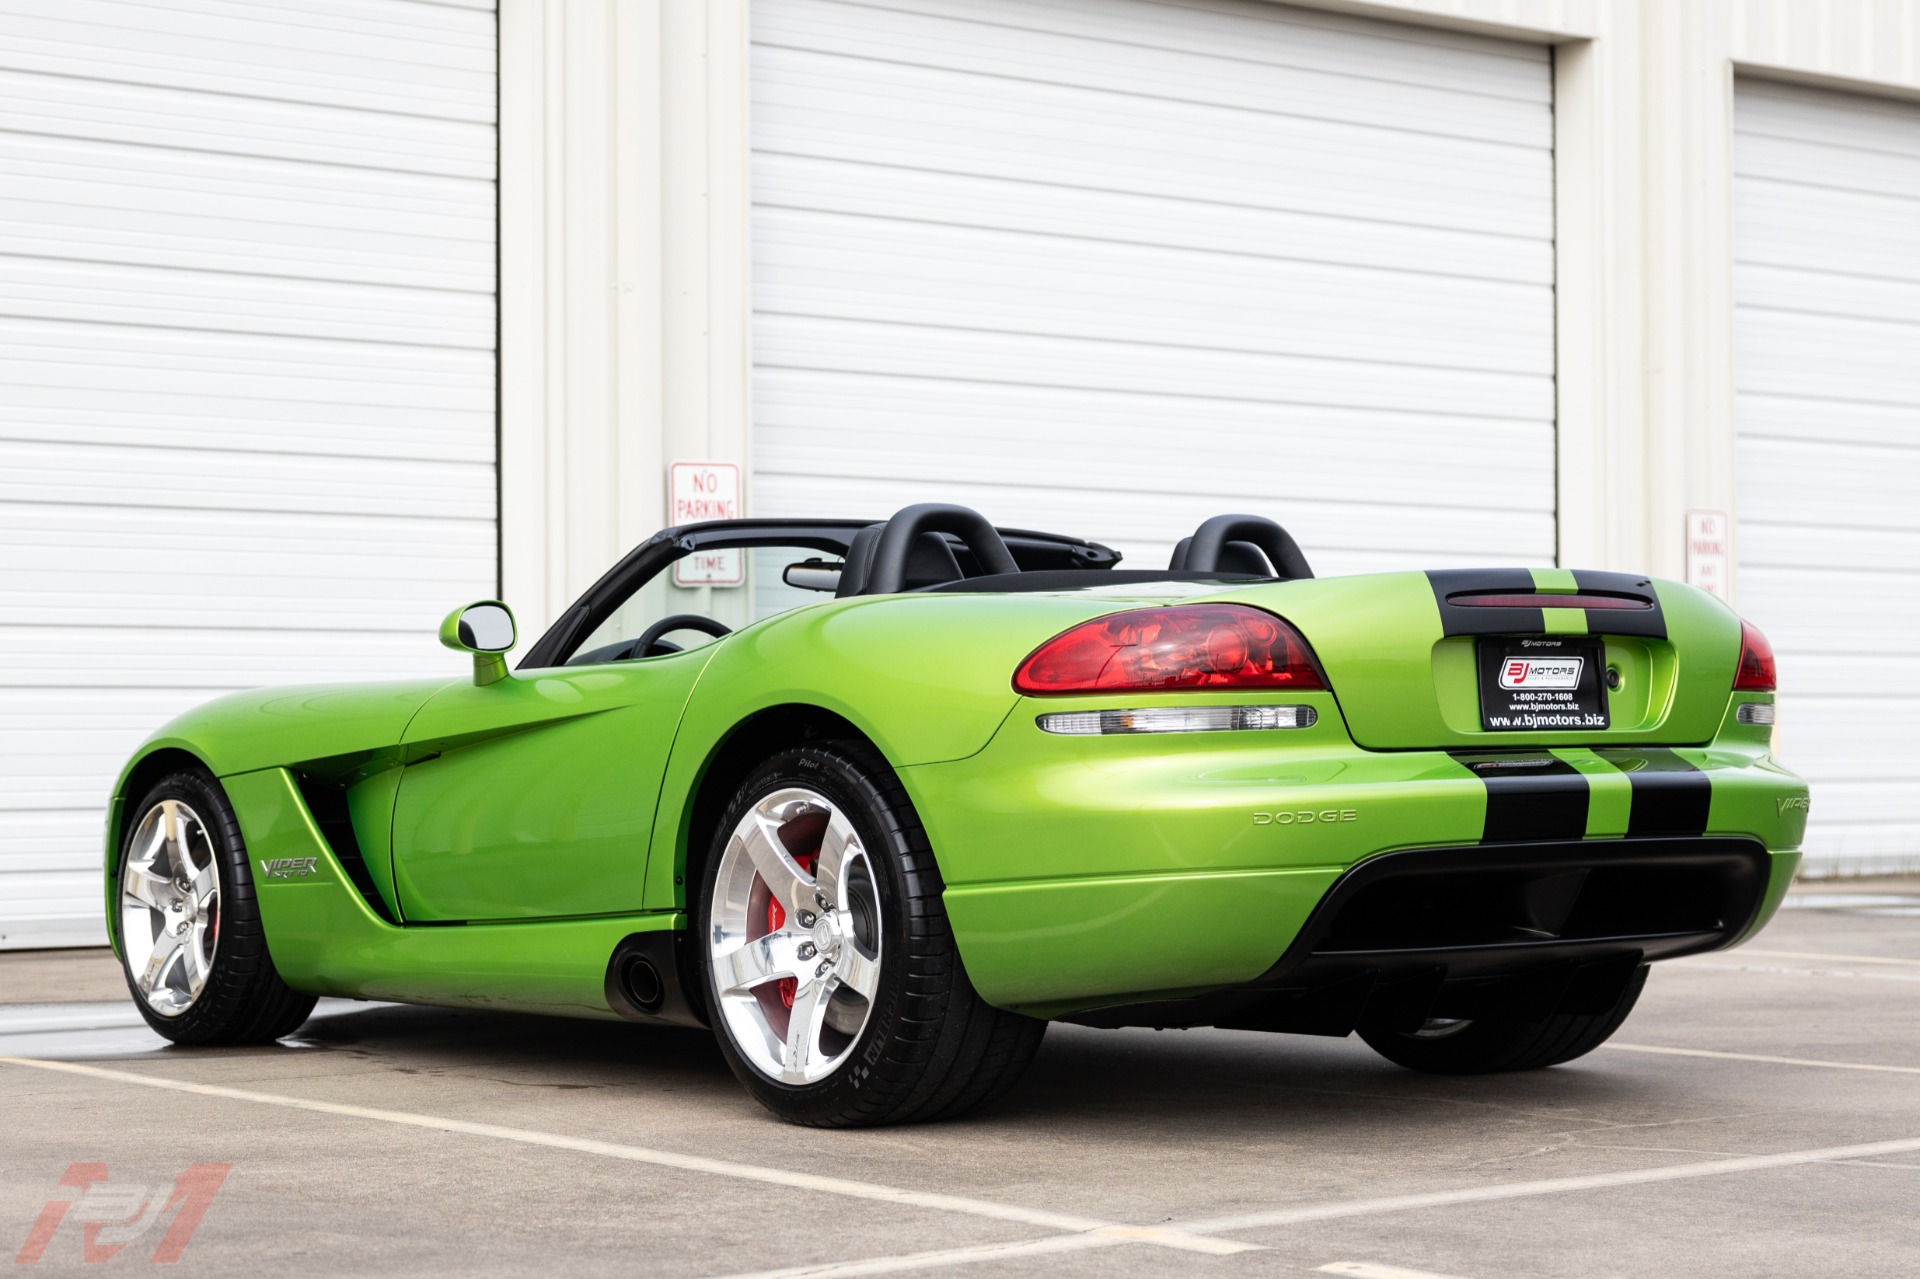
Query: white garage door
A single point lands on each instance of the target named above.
(1113, 266)
(246, 377)
(1827, 288)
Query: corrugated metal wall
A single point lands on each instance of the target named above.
(1827, 371)
(1113, 266)
(246, 377)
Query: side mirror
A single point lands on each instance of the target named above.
(486, 630)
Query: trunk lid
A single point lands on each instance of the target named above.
(1409, 654)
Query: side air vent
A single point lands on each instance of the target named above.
(328, 804)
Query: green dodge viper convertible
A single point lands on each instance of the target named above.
(877, 801)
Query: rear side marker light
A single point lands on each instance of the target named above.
(1550, 601)
(1191, 646)
(1756, 672)
(1176, 719)
(1755, 713)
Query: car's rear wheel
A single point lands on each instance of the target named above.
(1485, 1046)
(834, 984)
(191, 941)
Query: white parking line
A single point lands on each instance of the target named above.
(1815, 954)
(1364, 1208)
(1080, 1227)
(1532, 1189)
(40, 1019)
(1367, 1270)
(1078, 1233)
(1846, 901)
(934, 1260)
(1790, 972)
(1759, 1057)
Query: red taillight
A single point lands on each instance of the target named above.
(1756, 672)
(1226, 646)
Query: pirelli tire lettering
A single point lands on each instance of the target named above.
(1306, 817)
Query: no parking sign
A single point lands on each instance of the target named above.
(700, 491)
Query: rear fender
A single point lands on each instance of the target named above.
(924, 678)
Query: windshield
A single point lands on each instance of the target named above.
(705, 595)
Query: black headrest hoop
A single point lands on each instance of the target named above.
(1208, 549)
(893, 552)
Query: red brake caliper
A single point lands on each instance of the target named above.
(777, 919)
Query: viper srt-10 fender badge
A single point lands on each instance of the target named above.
(1305, 817)
(1793, 804)
(289, 867)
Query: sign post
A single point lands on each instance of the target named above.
(699, 491)
(1708, 552)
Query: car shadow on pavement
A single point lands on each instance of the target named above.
(1103, 1079)
(578, 1053)
(1214, 1080)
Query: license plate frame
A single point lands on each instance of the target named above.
(1526, 685)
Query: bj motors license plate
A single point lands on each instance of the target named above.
(1536, 685)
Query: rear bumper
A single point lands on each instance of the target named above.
(1085, 873)
(1527, 929)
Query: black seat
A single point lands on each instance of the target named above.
(931, 563)
(911, 552)
(1235, 557)
(1237, 544)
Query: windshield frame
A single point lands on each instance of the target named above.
(653, 556)
(658, 553)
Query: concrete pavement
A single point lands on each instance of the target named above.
(389, 1139)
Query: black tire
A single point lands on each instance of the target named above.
(931, 1048)
(1489, 1046)
(243, 1000)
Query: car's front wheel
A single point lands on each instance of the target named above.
(191, 940)
(1487, 1045)
(832, 977)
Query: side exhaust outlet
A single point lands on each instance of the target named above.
(644, 981)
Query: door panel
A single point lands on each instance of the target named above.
(540, 800)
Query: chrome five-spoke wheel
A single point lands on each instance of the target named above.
(830, 971)
(170, 907)
(794, 936)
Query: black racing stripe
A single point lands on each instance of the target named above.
(1647, 622)
(1670, 796)
(1485, 621)
(1473, 620)
(1530, 796)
